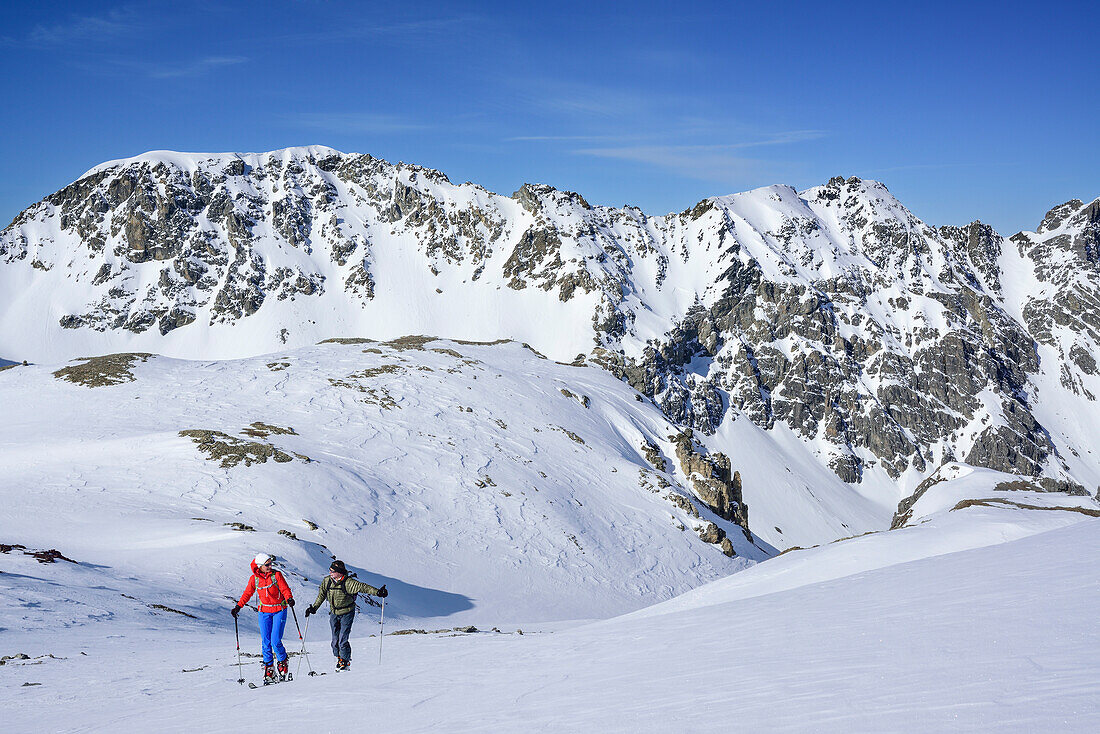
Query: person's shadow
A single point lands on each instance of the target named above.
(404, 601)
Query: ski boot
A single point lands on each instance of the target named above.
(342, 664)
(269, 674)
(283, 671)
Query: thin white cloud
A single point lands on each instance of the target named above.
(642, 151)
(354, 123)
(915, 167)
(194, 68)
(584, 101)
(571, 138)
(415, 31)
(78, 29)
(678, 132)
(717, 163)
(697, 162)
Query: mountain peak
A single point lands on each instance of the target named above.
(191, 161)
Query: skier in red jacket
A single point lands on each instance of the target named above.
(273, 596)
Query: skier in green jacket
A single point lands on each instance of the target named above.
(340, 591)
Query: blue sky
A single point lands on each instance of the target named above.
(965, 110)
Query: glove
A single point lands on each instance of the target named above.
(382, 592)
(236, 609)
(310, 610)
(290, 602)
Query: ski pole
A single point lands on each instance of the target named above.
(381, 629)
(237, 630)
(296, 624)
(304, 654)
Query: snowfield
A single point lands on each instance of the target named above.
(460, 475)
(463, 477)
(995, 638)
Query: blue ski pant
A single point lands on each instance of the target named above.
(271, 633)
(341, 629)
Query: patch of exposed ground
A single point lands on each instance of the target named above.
(379, 396)
(582, 399)
(42, 556)
(468, 343)
(103, 371)
(240, 526)
(163, 608)
(994, 502)
(572, 436)
(263, 430)
(346, 340)
(410, 342)
(231, 451)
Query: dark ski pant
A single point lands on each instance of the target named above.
(341, 629)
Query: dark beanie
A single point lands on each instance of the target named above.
(339, 567)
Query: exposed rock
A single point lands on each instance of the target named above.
(230, 451)
(905, 507)
(263, 430)
(684, 503)
(712, 481)
(653, 455)
(711, 533)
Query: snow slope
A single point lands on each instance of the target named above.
(483, 483)
(938, 636)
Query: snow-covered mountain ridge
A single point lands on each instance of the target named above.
(884, 344)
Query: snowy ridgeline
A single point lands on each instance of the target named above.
(979, 618)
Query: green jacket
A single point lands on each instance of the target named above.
(341, 594)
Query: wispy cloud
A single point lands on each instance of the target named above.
(640, 125)
(78, 29)
(719, 163)
(915, 167)
(697, 162)
(570, 138)
(584, 101)
(415, 31)
(643, 151)
(194, 68)
(354, 123)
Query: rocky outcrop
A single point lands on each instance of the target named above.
(712, 480)
(711, 533)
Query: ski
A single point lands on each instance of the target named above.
(289, 677)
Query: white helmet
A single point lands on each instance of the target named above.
(263, 558)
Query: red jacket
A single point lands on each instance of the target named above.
(270, 588)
